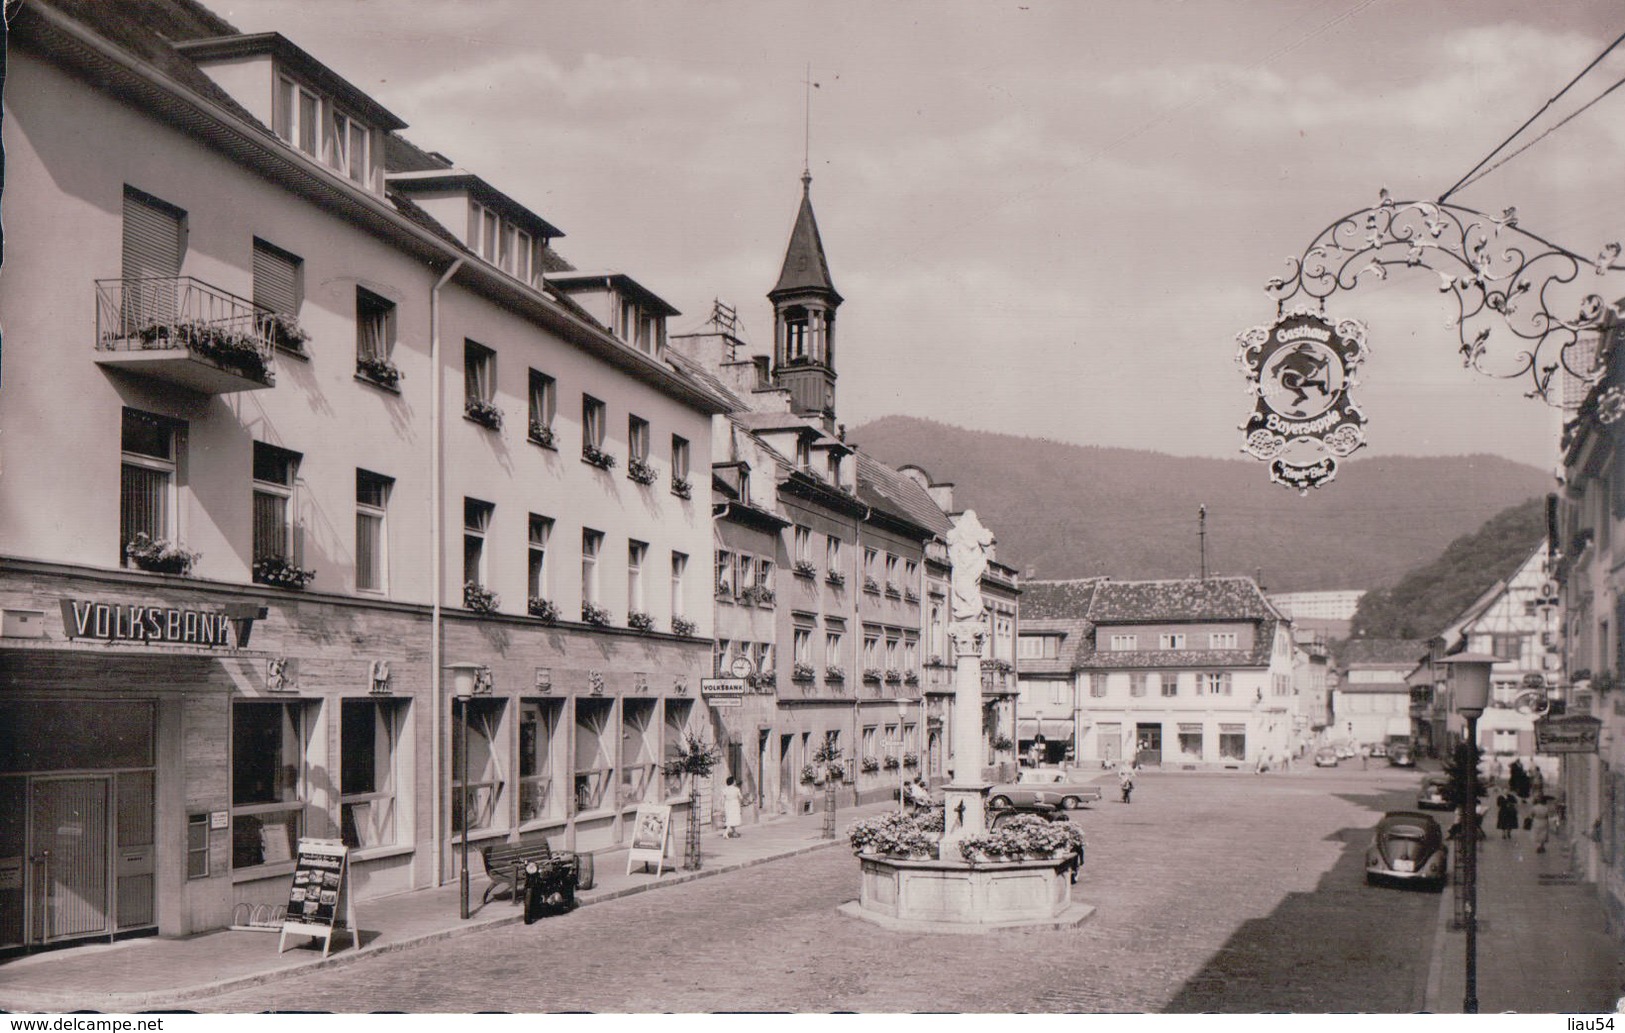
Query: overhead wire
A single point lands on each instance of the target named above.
(1472, 178)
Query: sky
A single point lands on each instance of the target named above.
(1049, 219)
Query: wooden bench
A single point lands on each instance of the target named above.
(505, 864)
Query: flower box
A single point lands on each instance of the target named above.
(871, 674)
(1002, 742)
(835, 578)
(891, 763)
(805, 568)
(486, 414)
(280, 573)
(759, 595)
(641, 471)
(637, 620)
(870, 584)
(801, 672)
(229, 349)
(541, 608)
(911, 678)
(595, 615)
(911, 760)
(834, 673)
(158, 556)
(480, 599)
(541, 434)
(910, 595)
(892, 591)
(597, 457)
(1001, 666)
(894, 677)
(682, 626)
(379, 370)
(285, 332)
(682, 488)
(870, 764)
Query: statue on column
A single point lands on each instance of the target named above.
(968, 546)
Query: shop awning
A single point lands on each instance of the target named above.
(1051, 728)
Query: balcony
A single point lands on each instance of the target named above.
(183, 331)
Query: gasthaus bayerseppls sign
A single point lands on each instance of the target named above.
(1299, 370)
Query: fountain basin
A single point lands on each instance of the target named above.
(951, 896)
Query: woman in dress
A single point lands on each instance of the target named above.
(733, 805)
(1540, 822)
(1506, 814)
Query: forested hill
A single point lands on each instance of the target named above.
(1063, 510)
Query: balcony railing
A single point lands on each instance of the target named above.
(185, 331)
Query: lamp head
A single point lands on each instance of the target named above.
(464, 677)
(1470, 681)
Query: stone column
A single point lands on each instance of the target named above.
(965, 796)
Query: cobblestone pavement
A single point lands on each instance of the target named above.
(1231, 892)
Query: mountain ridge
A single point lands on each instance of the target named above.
(1068, 510)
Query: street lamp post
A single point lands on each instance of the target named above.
(465, 678)
(1470, 692)
(902, 716)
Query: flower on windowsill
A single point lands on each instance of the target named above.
(910, 595)
(869, 764)
(764, 682)
(595, 615)
(285, 332)
(834, 673)
(637, 620)
(759, 595)
(870, 584)
(379, 370)
(934, 660)
(911, 678)
(724, 590)
(835, 578)
(871, 674)
(480, 599)
(893, 676)
(805, 568)
(801, 672)
(682, 626)
(641, 471)
(277, 571)
(544, 609)
(158, 556)
(682, 488)
(541, 433)
(891, 763)
(911, 760)
(1002, 742)
(1002, 666)
(486, 414)
(893, 591)
(597, 457)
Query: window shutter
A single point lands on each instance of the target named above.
(152, 237)
(276, 280)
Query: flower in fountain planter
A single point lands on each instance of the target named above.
(158, 556)
(897, 835)
(278, 571)
(478, 598)
(595, 615)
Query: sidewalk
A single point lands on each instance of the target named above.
(136, 974)
(1542, 946)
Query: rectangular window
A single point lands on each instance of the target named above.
(832, 555)
(345, 146)
(1170, 683)
(595, 754)
(911, 654)
(1097, 685)
(490, 227)
(476, 522)
(746, 577)
(374, 332)
(911, 578)
(832, 648)
(803, 646)
(295, 117)
(1190, 741)
(592, 542)
(635, 553)
(1057, 692)
(484, 805)
(1125, 643)
(479, 373)
(1507, 646)
(891, 574)
(269, 789)
(725, 574)
(543, 406)
(637, 439)
(275, 473)
(1137, 683)
(538, 743)
(1221, 640)
(593, 416)
(537, 582)
(894, 654)
(764, 577)
(1232, 742)
(1216, 683)
(521, 257)
(197, 846)
(679, 458)
(719, 666)
(371, 540)
(679, 565)
(802, 546)
(674, 737)
(147, 478)
(1171, 641)
(278, 289)
(871, 652)
(370, 759)
(640, 751)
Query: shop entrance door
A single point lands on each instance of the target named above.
(69, 892)
(787, 782)
(1149, 739)
(764, 764)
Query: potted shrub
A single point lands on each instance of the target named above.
(637, 620)
(486, 414)
(478, 598)
(693, 760)
(536, 606)
(278, 571)
(595, 615)
(641, 471)
(158, 556)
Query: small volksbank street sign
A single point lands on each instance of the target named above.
(724, 692)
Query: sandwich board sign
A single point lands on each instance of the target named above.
(651, 830)
(320, 890)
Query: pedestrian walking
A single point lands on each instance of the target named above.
(1540, 822)
(1125, 783)
(1518, 780)
(1506, 814)
(1537, 783)
(1365, 755)
(733, 806)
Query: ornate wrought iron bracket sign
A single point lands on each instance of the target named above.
(1521, 306)
(1300, 370)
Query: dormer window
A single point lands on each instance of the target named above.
(638, 326)
(318, 126)
(500, 242)
(834, 467)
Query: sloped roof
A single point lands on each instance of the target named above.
(805, 267)
(1185, 599)
(1057, 600)
(1075, 643)
(891, 492)
(697, 371)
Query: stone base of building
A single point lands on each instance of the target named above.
(932, 896)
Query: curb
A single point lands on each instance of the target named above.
(49, 1002)
(1441, 936)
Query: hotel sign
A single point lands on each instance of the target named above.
(1570, 734)
(170, 625)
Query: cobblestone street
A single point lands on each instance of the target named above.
(1213, 893)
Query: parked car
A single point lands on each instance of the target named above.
(1326, 757)
(1437, 793)
(1040, 789)
(1379, 749)
(1345, 750)
(1407, 847)
(1401, 757)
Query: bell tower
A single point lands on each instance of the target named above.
(804, 304)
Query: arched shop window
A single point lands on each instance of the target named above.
(486, 806)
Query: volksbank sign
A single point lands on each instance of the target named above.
(131, 622)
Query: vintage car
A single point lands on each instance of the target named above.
(1407, 847)
(1041, 789)
(1400, 756)
(1325, 757)
(1379, 749)
(1437, 793)
(1345, 750)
